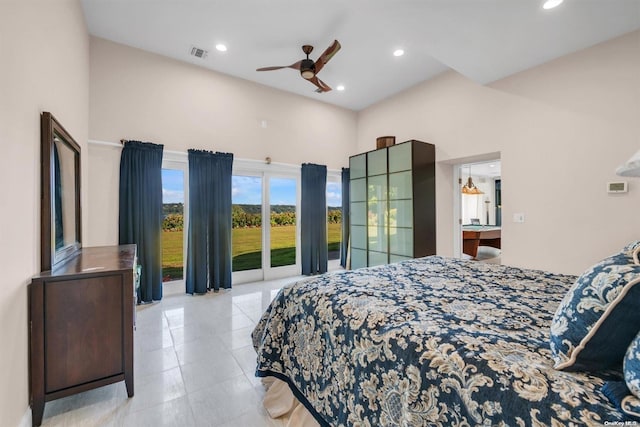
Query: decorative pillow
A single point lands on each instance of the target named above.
(633, 251)
(618, 394)
(599, 316)
(630, 405)
(632, 366)
(631, 246)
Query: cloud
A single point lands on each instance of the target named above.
(334, 198)
(172, 196)
(246, 189)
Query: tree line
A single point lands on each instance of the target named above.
(240, 218)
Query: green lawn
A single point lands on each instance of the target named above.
(247, 249)
(172, 255)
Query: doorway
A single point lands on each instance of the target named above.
(175, 196)
(478, 222)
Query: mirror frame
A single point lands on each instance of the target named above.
(49, 256)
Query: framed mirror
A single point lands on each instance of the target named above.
(60, 226)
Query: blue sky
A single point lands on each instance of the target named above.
(247, 189)
(172, 186)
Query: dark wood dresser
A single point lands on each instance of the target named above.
(81, 320)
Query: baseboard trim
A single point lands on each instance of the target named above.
(26, 418)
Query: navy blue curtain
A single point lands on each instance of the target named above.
(141, 212)
(344, 243)
(209, 239)
(313, 221)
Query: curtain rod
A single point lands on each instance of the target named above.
(184, 153)
(121, 144)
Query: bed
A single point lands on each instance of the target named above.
(431, 341)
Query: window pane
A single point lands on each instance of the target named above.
(172, 224)
(246, 217)
(334, 218)
(282, 193)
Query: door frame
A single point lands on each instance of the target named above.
(179, 161)
(458, 182)
(267, 171)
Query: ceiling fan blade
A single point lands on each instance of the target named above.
(327, 55)
(322, 86)
(295, 66)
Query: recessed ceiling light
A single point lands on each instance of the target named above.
(398, 52)
(550, 4)
(220, 47)
(340, 87)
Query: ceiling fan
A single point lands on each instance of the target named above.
(308, 69)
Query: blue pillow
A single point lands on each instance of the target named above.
(632, 367)
(599, 317)
(633, 251)
(618, 394)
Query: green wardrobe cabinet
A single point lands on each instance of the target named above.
(393, 212)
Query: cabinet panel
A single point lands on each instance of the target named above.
(377, 238)
(400, 157)
(401, 213)
(358, 166)
(377, 162)
(398, 258)
(358, 214)
(377, 188)
(358, 258)
(377, 258)
(84, 344)
(358, 190)
(401, 241)
(359, 237)
(377, 214)
(400, 186)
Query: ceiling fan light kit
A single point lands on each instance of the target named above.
(308, 68)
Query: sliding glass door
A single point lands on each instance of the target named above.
(282, 210)
(265, 220)
(246, 218)
(265, 227)
(174, 219)
(334, 216)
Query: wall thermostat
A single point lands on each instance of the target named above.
(617, 187)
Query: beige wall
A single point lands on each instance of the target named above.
(561, 128)
(44, 47)
(139, 95)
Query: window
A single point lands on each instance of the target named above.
(282, 211)
(246, 240)
(265, 212)
(173, 185)
(334, 217)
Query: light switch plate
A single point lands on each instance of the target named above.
(518, 217)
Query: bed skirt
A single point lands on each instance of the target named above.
(280, 402)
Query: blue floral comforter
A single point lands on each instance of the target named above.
(431, 341)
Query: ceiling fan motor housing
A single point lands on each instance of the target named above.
(307, 68)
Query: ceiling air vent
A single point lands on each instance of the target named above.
(198, 52)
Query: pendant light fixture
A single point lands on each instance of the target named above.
(470, 188)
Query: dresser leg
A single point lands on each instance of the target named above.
(128, 380)
(37, 410)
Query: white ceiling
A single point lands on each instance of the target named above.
(492, 169)
(484, 40)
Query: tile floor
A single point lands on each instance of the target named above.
(194, 366)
